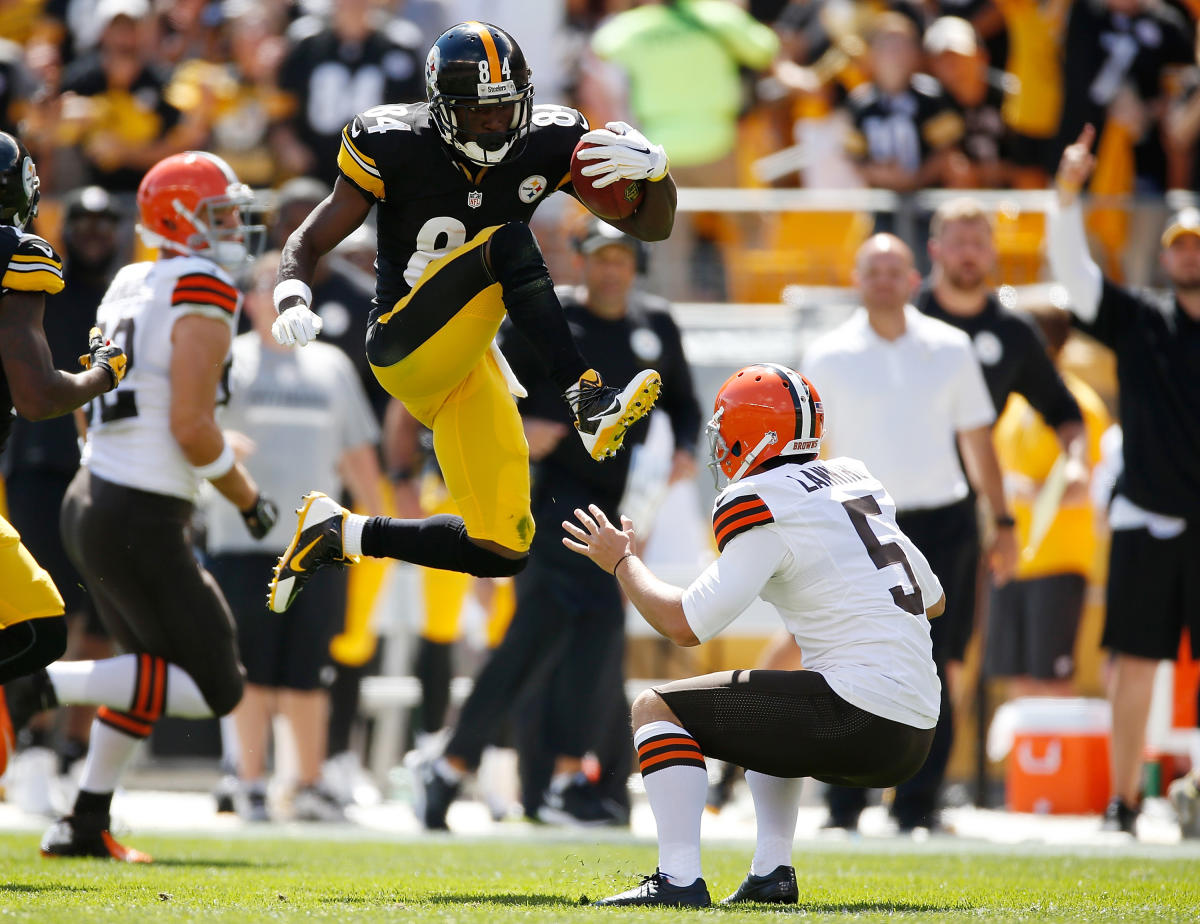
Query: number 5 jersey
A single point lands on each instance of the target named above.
(819, 542)
(129, 429)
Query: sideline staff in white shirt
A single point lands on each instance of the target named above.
(909, 396)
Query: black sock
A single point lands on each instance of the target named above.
(439, 541)
(93, 805)
(433, 668)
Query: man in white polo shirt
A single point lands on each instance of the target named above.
(909, 397)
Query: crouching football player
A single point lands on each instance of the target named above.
(818, 539)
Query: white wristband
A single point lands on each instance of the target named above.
(290, 287)
(219, 466)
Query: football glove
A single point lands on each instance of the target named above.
(296, 325)
(105, 354)
(261, 516)
(624, 153)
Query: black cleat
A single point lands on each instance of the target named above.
(603, 414)
(1119, 817)
(435, 794)
(778, 887)
(317, 543)
(577, 804)
(657, 890)
(87, 837)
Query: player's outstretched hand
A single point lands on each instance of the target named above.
(599, 539)
(1075, 166)
(296, 326)
(105, 354)
(622, 153)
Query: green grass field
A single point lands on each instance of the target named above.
(495, 880)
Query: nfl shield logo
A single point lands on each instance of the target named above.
(474, 199)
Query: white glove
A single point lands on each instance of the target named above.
(624, 154)
(296, 325)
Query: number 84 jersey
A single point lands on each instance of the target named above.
(129, 431)
(430, 201)
(819, 542)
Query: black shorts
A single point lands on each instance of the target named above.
(286, 650)
(791, 724)
(1153, 593)
(1031, 627)
(949, 539)
(152, 594)
(33, 501)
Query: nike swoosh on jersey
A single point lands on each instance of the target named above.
(295, 563)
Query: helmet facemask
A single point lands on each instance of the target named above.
(449, 114)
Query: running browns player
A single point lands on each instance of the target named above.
(127, 513)
(456, 180)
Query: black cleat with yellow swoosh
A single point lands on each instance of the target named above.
(317, 543)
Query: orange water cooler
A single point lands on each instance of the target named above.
(1058, 754)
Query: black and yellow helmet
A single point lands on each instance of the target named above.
(471, 65)
(19, 184)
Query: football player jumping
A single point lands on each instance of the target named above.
(456, 180)
(32, 629)
(818, 539)
(127, 513)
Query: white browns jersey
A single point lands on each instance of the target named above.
(819, 541)
(129, 433)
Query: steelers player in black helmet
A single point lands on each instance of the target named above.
(456, 180)
(458, 61)
(32, 629)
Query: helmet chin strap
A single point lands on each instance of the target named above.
(768, 439)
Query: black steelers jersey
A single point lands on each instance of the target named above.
(30, 265)
(904, 129)
(430, 201)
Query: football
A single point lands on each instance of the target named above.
(613, 202)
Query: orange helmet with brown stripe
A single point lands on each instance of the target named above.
(763, 412)
(472, 66)
(193, 203)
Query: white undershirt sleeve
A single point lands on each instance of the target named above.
(730, 584)
(1071, 263)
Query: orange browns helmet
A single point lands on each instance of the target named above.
(761, 412)
(193, 203)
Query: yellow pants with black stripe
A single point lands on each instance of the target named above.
(26, 590)
(432, 351)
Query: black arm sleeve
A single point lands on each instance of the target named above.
(1041, 383)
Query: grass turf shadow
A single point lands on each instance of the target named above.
(38, 888)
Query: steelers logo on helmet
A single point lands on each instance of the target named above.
(479, 91)
(763, 412)
(19, 184)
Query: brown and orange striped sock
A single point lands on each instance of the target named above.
(676, 781)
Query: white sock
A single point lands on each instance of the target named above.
(108, 752)
(676, 783)
(111, 682)
(231, 746)
(776, 805)
(352, 530)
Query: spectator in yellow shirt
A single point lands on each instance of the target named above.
(1034, 618)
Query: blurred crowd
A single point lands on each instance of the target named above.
(812, 93)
